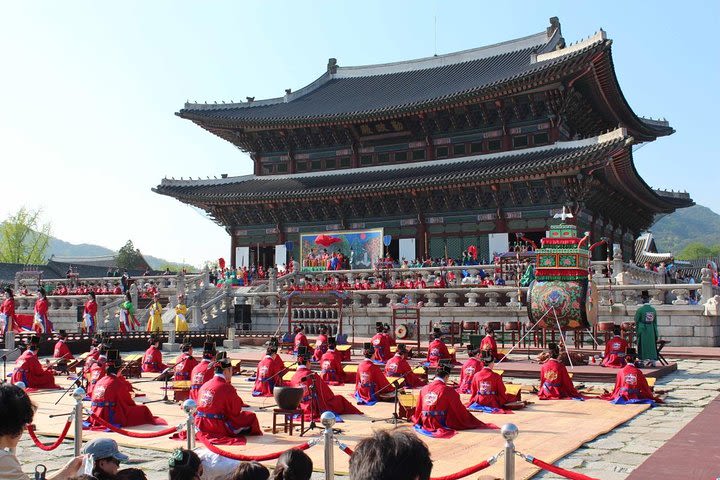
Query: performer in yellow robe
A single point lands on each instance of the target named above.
(181, 314)
(155, 319)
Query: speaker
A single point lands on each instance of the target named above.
(243, 316)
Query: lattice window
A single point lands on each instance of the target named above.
(437, 247)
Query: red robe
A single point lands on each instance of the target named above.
(184, 366)
(152, 360)
(321, 399)
(614, 356)
(630, 387)
(488, 390)
(555, 383)
(266, 377)
(112, 402)
(398, 366)
(29, 371)
(219, 415)
(97, 372)
(202, 373)
(332, 369)
(321, 346)
(440, 412)
(437, 350)
(467, 372)
(41, 310)
(62, 350)
(8, 309)
(301, 341)
(488, 343)
(90, 359)
(381, 344)
(391, 340)
(369, 383)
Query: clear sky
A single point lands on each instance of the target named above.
(89, 90)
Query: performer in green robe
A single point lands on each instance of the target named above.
(647, 332)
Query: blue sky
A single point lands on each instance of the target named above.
(89, 90)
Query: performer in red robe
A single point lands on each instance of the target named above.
(370, 383)
(488, 343)
(331, 365)
(381, 344)
(204, 370)
(437, 350)
(29, 371)
(42, 323)
(386, 332)
(321, 344)
(268, 375)
(300, 339)
(8, 319)
(398, 366)
(219, 417)
(440, 412)
(487, 389)
(630, 384)
(97, 372)
(614, 356)
(469, 368)
(90, 314)
(184, 363)
(62, 352)
(152, 359)
(317, 396)
(555, 383)
(112, 402)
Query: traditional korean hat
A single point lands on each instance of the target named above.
(222, 361)
(368, 349)
(35, 340)
(186, 345)
(302, 351)
(323, 328)
(113, 358)
(62, 333)
(209, 348)
(332, 343)
(274, 341)
(153, 339)
(386, 327)
(379, 326)
(487, 356)
(444, 369)
(631, 352)
(401, 348)
(437, 333)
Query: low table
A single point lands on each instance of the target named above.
(288, 420)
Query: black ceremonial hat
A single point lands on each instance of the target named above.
(302, 351)
(62, 333)
(209, 347)
(222, 361)
(378, 324)
(631, 352)
(34, 340)
(487, 356)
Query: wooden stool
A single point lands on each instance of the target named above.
(627, 330)
(514, 329)
(288, 420)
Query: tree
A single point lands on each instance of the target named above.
(129, 257)
(23, 238)
(699, 251)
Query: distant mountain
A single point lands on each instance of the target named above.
(694, 224)
(61, 248)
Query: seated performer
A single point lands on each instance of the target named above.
(614, 356)
(112, 400)
(370, 382)
(268, 375)
(381, 344)
(204, 370)
(300, 339)
(489, 343)
(184, 363)
(152, 359)
(29, 371)
(97, 372)
(398, 366)
(321, 344)
(555, 383)
(331, 365)
(473, 365)
(62, 352)
(219, 417)
(437, 350)
(487, 390)
(440, 411)
(274, 346)
(630, 384)
(386, 332)
(317, 396)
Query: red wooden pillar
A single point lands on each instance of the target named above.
(421, 246)
(233, 245)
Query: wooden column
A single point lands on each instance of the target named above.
(292, 164)
(233, 244)
(257, 169)
(421, 246)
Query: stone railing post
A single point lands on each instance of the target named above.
(272, 279)
(492, 299)
(513, 297)
(356, 298)
(682, 296)
(392, 298)
(618, 266)
(630, 298)
(706, 284)
(134, 294)
(471, 299)
(451, 299)
(272, 301)
(658, 296)
(431, 299)
(374, 300)
(206, 277)
(181, 283)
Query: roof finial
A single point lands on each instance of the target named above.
(250, 99)
(288, 91)
(332, 65)
(555, 25)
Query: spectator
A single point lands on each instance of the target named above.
(391, 455)
(131, 474)
(250, 471)
(185, 465)
(293, 465)
(17, 411)
(106, 458)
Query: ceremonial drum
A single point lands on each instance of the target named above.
(288, 398)
(571, 304)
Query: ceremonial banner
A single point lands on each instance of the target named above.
(362, 248)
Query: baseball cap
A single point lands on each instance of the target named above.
(104, 448)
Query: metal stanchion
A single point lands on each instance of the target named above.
(78, 395)
(509, 432)
(190, 408)
(328, 420)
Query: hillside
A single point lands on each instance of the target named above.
(694, 224)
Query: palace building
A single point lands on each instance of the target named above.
(468, 148)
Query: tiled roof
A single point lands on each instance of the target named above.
(478, 168)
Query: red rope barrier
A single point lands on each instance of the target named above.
(250, 458)
(557, 470)
(128, 433)
(52, 446)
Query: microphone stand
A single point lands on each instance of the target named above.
(76, 382)
(4, 359)
(313, 400)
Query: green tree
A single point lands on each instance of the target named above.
(699, 251)
(129, 256)
(24, 238)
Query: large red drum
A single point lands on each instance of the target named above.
(571, 304)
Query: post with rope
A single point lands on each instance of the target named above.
(328, 420)
(509, 432)
(190, 408)
(78, 395)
